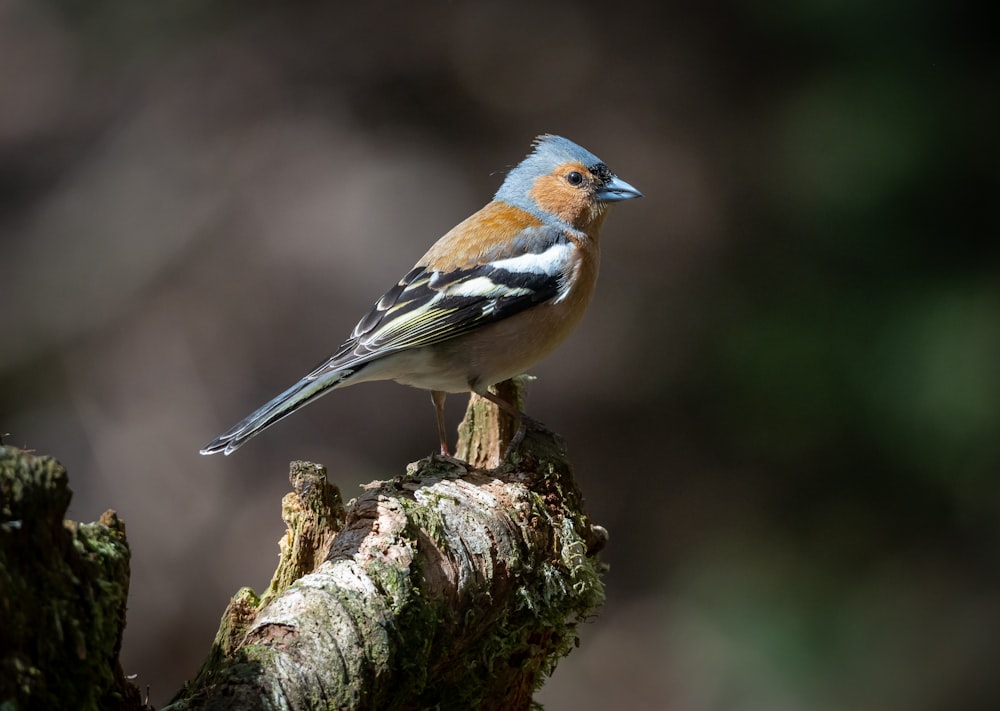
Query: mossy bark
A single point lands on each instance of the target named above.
(63, 590)
(454, 586)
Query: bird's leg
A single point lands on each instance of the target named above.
(523, 421)
(438, 397)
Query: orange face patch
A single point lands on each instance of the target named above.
(574, 204)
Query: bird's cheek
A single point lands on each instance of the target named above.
(554, 196)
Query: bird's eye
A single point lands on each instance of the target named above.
(575, 178)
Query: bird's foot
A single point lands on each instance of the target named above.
(525, 423)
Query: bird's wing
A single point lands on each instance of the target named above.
(428, 306)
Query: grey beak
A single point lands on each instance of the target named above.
(617, 189)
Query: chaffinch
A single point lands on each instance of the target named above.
(492, 297)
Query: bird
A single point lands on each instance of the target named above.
(493, 296)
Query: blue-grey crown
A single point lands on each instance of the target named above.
(550, 151)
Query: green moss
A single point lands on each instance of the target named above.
(560, 593)
(425, 517)
(526, 638)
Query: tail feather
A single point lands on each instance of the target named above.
(278, 408)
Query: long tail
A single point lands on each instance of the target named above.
(302, 393)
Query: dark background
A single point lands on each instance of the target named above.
(784, 403)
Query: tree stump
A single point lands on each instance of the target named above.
(456, 585)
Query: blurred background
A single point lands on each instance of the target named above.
(784, 403)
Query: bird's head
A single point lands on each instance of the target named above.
(562, 180)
